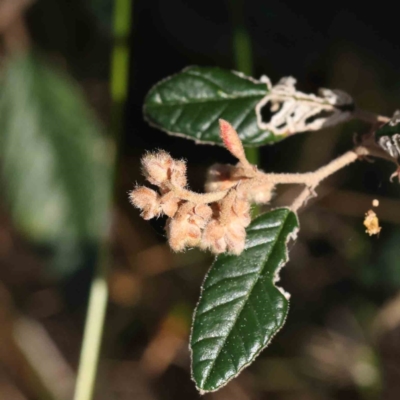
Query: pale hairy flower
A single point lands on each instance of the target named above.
(160, 167)
(227, 233)
(178, 173)
(156, 167)
(146, 200)
(219, 238)
(185, 230)
(241, 211)
(256, 192)
(169, 204)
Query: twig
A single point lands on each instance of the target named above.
(313, 179)
(370, 117)
(310, 179)
(301, 199)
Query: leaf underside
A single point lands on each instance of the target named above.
(240, 308)
(190, 103)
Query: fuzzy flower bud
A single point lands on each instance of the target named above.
(156, 167)
(221, 238)
(146, 200)
(178, 173)
(169, 204)
(227, 233)
(261, 194)
(231, 140)
(160, 167)
(241, 211)
(185, 230)
(256, 192)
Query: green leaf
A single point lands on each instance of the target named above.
(54, 158)
(240, 308)
(191, 102)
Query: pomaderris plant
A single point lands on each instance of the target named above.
(241, 308)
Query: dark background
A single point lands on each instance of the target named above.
(342, 336)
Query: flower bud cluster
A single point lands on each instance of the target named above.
(215, 220)
(161, 170)
(227, 233)
(218, 226)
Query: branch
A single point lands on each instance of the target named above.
(370, 117)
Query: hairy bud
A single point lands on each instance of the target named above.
(227, 233)
(156, 167)
(146, 200)
(231, 140)
(220, 238)
(256, 192)
(241, 211)
(160, 167)
(261, 194)
(178, 173)
(169, 204)
(185, 230)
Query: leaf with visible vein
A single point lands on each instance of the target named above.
(240, 307)
(190, 103)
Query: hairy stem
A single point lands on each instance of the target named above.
(198, 198)
(313, 179)
(302, 198)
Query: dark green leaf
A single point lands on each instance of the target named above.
(54, 157)
(191, 102)
(240, 308)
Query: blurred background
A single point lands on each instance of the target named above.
(61, 127)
